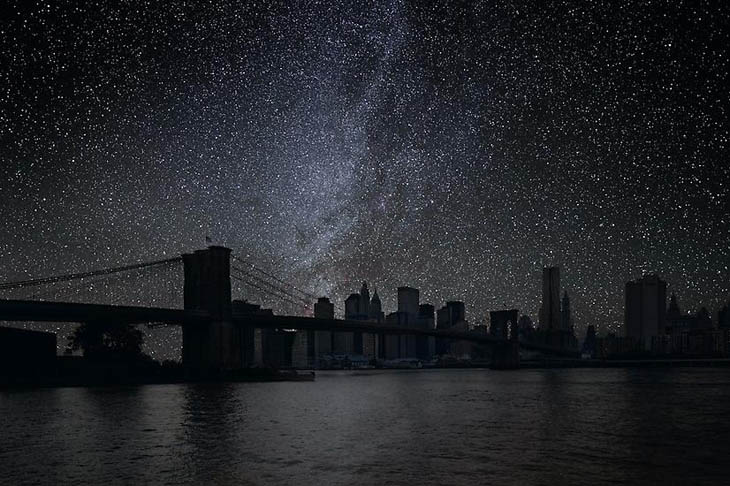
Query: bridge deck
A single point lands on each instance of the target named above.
(41, 311)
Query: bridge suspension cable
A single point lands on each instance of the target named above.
(270, 293)
(80, 275)
(306, 294)
(88, 283)
(274, 287)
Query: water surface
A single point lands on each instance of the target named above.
(574, 426)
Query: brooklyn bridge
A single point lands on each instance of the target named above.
(217, 333)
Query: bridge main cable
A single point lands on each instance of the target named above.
(270, 292)
(276, 288)
(255, 267)
(79, 275)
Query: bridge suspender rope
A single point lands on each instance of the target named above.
(244, 274)
(254, 267)
(269, 292)
(92, 273)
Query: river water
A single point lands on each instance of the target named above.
(552, 427)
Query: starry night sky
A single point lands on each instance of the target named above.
(456, 149)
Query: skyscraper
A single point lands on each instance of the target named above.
(364, 300)
(323, 309)
(645, 309)
(589, 343)
(351, 342)
(425, 345)
(376, 308)
(408, 300)
(550, 309)
(525, 328)
(566, 322)
(723, 317)
(450, 315)
(453, 312)
(352, 306)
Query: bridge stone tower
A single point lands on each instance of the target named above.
(503, 325)
(208, 288)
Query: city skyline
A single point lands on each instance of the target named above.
(455, 150)
(394, 242)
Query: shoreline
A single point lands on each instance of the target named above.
(111, 377)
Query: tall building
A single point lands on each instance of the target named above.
(645, 309)
(425, 345)
(589, 343)
(408, 300)
(404, 345)
(723, 317)
(376, 315)
(357, 307)
(364, 300)
(550, 309)
(376, 308)
(453, 314)
(352, 306)
(525, 329)
(566, 321)
(350, 342)
(426, 311)
(323, 309)
(676, 322)
(503, 324)
(703, 321)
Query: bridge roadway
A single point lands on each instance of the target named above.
(44, 311)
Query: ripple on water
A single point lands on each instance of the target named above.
(428, 427)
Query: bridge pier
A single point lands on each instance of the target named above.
(208, 288)
(506, 356)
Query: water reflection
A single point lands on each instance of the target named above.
(212, 415)
(423, 427)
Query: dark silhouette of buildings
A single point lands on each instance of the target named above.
(364, 300)
(550, 308)
(589, 343)
(678, 322)
(503, 324)
(566, 320)
(451, 315)
(675, 319)
(723, 317)
(324, 309)
(352, 306)
(376, 309)
(408, 300)
(688, 334)
(403, 346)
(345, 341)
(645, 309)
(322, 340)
(411, 313)
(221, 335)
(267, 347)
(425, 345)
(555, 326)
(525, 329)
(357, 307)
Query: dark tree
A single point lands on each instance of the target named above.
(107, 341)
